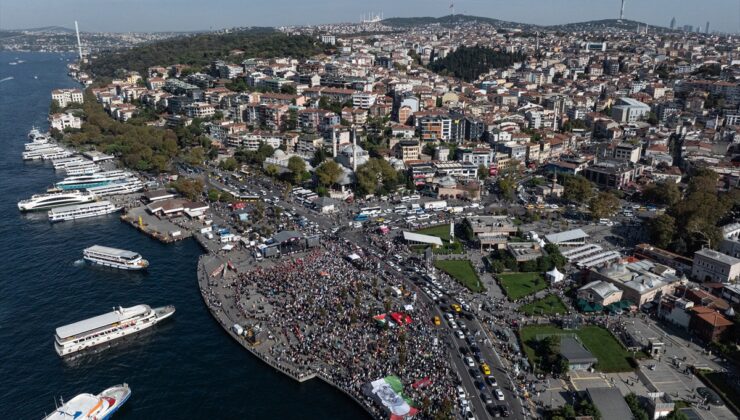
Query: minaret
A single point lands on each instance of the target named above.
(621, 11)
(334, 142)
(79, 44)
(354, 149)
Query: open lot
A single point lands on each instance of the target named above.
(441, 231)
(462, 271)
(600, 342)
(549, 305)
(518, 285)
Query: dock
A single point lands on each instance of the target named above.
(162, 230)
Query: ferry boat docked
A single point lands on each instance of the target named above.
(30, 147)
(34, 133)
(104, 328)
(82, 211)
(91, 180)
(62, 163)
(82, 169)
(124, 186)
(93, 407)
(115, 258)
(47, 201)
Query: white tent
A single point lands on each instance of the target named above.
(555, 276)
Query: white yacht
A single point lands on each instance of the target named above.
(34, 133)
(92, 180)
(82, 211)
(92, 407)
(62, 163)
(115, 258)
(47, 201)
(124, 186)
(107, 327)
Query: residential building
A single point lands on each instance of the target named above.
(64, 97)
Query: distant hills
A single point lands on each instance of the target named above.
(449, 20)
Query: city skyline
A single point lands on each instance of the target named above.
(115, 15)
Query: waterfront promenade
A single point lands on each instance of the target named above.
(304, 322)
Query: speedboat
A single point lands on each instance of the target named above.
(92, 407)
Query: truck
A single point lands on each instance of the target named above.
(435, 205)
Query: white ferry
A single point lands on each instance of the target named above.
(82, 169)
(47, 201)
(63, 153)
(82, 211)
(38, 154)
(30, 147)
(92, 407)
(92, 180)
(62, 163)
(124, 186)
(115, 258)
(107, 327)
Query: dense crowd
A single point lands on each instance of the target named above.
(321, 319)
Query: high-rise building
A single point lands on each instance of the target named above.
(673, 23)
(706, 28)
(688, 28)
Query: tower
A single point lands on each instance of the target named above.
(673, 22)
(621, 11)
(706, 28)
(79, 44)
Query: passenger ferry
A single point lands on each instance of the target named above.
(63, 153)
(82, 211)
(86, 168)
(92, 407)
(62, 163)
(107, 327)
(92, 180)
(124, 186)
(37, 154)
(115, 258)
(47, 201)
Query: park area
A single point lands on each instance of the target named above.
(549, 305)
(518, 285)
(613, 357)
(462, 271)
(441, 231)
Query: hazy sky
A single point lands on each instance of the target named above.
(184, 15)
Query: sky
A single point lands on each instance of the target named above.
(191, 15)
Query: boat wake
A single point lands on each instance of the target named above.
(6, 79)
(79, 263)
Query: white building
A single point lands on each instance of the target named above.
(65, 97)
(628, 110)
(711, 265)
(65, 120)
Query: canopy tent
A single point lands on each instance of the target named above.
(555, 276)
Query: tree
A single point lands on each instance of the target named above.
(213, 195)
(228, 164)
(482, 171)
(319, 157)
(605, 204)
(677, 415)
(272, 170)
(328, 173)
(577, 188)
(662, 229)
(376, 173)
(188, 187)
(662, 193)
(506, 187)
(297, 167)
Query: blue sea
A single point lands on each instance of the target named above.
(184, 368)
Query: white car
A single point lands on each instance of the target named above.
(499, 394)
(459, 334)
(469, 361)
(460, 393)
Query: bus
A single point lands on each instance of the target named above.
(361, 218)
(370, 211)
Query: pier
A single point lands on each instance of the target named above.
(162, 230)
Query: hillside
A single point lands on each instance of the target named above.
(202, 49)
(593, 25)
(406, 22)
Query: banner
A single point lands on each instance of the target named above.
(389, 391)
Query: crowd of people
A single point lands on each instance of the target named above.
(321, 319)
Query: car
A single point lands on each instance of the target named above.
(436, 320)
(485, 369)
(469, 415)
(459, 334)
(469, 361)
(499, 394)
(492, 410)
(504, 410)
(480, 385)
(460, 392)
(454, 326)
(486, 398)
(456, 307)
(490, 380)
